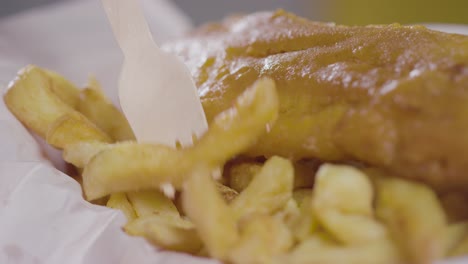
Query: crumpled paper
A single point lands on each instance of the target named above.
(43, 217)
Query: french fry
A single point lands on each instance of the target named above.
(31, 99)
(130, 167)
(95, 106)
(289, 214)
(44, 101)
(241, 174)
(73, 128)
(238, 128)
(228, 194)
(166, 232)
(342, 203)
(152, 202)
(79, 154)
(258, 242)
(120, 202)
(63, 89)
(264, 195)
(317, 250)
(300, 195)
(460, 249)
(215, 222)
(454, 235)
(414, 216)
(159, 221)
(306, 224)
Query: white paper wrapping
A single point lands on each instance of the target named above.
(43, 217)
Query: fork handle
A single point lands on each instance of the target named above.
(129, 25)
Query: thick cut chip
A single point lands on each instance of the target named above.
(238, 128)
(461, 249)
(269, 190)
(81, 153)
(228, 194)
(31, 99)
(166, 232)
(414, 216)
(289, 214)
(159, 221)
(120, 202)
(301, 195)
(130, 167)
(241, 174)
(95, 106)
(64, 89)
(306, 224)
(342, 203)
(262, 238)
(73, 128)
(213, 218)
(152, 202)
(317, 250)
(44, 101)
(454, 235)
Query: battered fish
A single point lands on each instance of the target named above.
(391, 96)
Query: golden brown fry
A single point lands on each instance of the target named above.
(264, 195)
(414, 216)
(152, 202)
(262, 238)
(342, 203)
(159, 221)
(120, 202)
(167, 232)
(289, 214)
(44, 102)
(317, 250)
(31, 99)
(95, 106)
(228, 194)
(79, 154)
(73, 128)
(306, 223)
(215, 221)
(129, 167)
(64, 89)
(454, 235)
(301, 195)
(460, 249)
(238, 128)
(241, 174)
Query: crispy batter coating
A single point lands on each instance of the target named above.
(390, 96)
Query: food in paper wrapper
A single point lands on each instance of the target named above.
(266, 207)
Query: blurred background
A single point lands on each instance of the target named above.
(340, 11)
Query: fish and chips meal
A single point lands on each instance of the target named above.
(326, 144)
